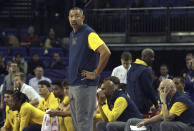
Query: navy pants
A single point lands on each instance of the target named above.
(33, 128)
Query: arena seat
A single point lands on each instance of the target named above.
(21, 50)
(38, 50)
(46, 60)
(55, 74)
(11, 31)
(104, 75)
(4, 50)
(24, 32)
(53, 50)
(8, 58)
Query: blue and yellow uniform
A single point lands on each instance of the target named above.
(65, 122)
(83, 55)
(30, 115)
(182, 107)
(12, 119)
(139, 86)
(119, 108)
(50, 103)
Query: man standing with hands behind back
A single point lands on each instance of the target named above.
(84, 68)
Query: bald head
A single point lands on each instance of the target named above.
(169, 84)
(108, 88)
(147, 51)
(147, 55)
(108, 84)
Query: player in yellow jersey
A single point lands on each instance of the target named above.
(61, 92)
(49, 101)
(11, 116)
(30, 117)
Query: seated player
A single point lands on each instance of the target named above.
(30, 117)
(11, 116)
(61, 92)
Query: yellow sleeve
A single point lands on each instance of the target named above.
(25, 114)
(40, 105)
(178, 108)
(16, 123)
(66, 100)
(94, 41)
(7, 124)
(102, 114)
(98, 115)
(119, 106)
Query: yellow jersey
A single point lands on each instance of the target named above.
(50, 103)
(30, 115)
(12, 119)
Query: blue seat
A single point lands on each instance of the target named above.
(35, 44)
(104, 75)
(190, 12)
(53, 50)
(11, 31)
(42, 38)
(4, 50)
(154, 3)
(38, 50)
(8, 58)
(46, 61)
(179, 3)
(158, 13)
(178, 12)
(165, 3)
(21, 50)
(54, 74)
(149, 3)
(66, 52)
(65, 60)
(27, 58)
(28, 78)
(24, 32)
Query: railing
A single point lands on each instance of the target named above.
(165, 21)
(143, 21)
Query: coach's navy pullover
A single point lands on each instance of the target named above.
(81, 57)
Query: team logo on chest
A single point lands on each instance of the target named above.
(74, 41)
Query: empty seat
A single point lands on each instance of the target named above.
(37, 50)
(66, 52)
(4, 50)
(8, 58)
(53, 50)
(149, 3)
(28, 78)
(179, 3)
(24, 32)
(65, 60)
(104, 75)
(178, 12)
(11, 31)
(42, 38)
(54, 74)
(27, 58)
(46, 61)
(21, 50)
